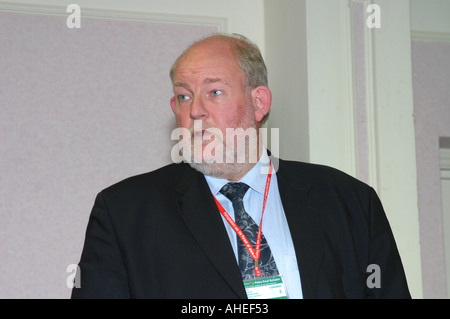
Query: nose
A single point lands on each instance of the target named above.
(198, 110)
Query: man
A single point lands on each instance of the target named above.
(184, 231)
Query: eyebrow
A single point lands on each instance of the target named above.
(206, 81)
(217, 80)
(212, 80)
(178, 84)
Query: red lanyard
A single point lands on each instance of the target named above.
(255, 253)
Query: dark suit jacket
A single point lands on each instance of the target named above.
(160, 235)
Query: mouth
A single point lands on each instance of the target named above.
(199, 134)
(205, 135)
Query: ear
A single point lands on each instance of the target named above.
(173, 103)
(262, 100)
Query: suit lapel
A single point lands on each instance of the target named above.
(200, 213)
(302, 214)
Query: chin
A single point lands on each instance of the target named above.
(218, 165)
(227, 171)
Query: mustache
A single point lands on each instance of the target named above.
(205, 132)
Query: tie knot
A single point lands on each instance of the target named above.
(234, 191)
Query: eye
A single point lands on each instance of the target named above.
(182, 98)
(216, 92)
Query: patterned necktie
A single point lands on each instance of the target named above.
(235, 193)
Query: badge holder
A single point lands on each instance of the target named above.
(266, 288)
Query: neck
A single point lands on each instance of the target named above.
(237, 176)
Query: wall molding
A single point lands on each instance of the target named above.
(445, 163)
(138, 16)
(333, 139)
(371, 166)
(393, 135)
(350, 107)
(430, 36)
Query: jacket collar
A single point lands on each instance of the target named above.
(200, 213)
(303, 215)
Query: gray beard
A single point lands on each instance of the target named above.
(223, 169)
(242, 155)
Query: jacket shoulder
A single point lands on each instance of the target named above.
(317, 173)
(161, 178)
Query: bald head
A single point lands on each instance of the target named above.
(247, 55)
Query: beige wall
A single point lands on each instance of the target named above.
(430, 26)
(82, 109)
(286, 58)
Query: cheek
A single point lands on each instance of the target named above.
(244, 117)
(182, 118)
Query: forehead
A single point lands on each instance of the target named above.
(213, 60)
